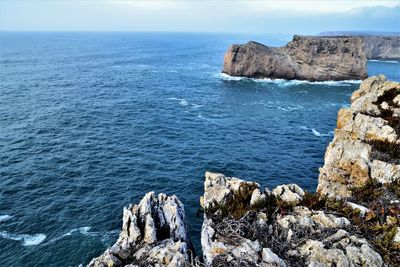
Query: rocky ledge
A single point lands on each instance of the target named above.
(352, 220)
(304, 58)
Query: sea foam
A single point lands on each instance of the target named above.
(284, 82)
(5, 217)
(27, 240)
(385, 61)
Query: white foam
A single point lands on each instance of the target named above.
(284, 82)
(5, 217)
(227, 77)
(304, 127)
(316, 133)
(384, 61)
(83, 230)
(27, 240)
(183, 102)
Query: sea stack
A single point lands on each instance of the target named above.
(304, 58)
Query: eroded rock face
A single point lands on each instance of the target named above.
(380, 47)
(304, 58)
(154, 233)
(297, 237)
(366, 143)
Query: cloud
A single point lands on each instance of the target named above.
(303, 17)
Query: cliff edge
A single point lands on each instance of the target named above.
(304, 58)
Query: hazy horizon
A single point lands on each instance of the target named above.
(274, 17)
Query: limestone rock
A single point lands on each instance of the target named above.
(153, 233)
(291, 193)
(367, 140)
(300, 237)
(304, 58)
(218, 188)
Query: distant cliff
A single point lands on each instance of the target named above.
(377, 46)
(304, 58)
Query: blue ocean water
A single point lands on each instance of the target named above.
(89, 122)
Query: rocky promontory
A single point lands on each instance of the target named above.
(353, 219)
(304, 58)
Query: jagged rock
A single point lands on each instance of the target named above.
(299, 237)
(154, 233)
(304, 58)
(218, 188)
(366, 140)
(256, 197)
(291, 193)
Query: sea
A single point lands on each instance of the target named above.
(91, 121)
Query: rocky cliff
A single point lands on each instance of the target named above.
(304, 58)
(382, 47)
(352, 220)
(377, 46)
(154, 233)
(366, 145)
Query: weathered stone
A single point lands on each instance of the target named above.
(360, 150)
(153, 233)
(304, 58)
(291, 193)
(269, 258)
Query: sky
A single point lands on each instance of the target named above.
(251, 16)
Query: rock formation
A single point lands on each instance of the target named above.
(154, 233)
(304, 58)
(367, 140)
(382, 47)
(275, 228)
(352, 220)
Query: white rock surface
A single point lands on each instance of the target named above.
(153, 233)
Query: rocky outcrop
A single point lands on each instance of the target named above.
(275, 229)
(154, 233)
(304, 58)
(367, 140)
(381, 47)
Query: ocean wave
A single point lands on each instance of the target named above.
(5, 217)
(184, 102)
(27, 240)
(284, 82)
(384, 61)
(288, 109)
(82, 230)
(315, 132)
(85, 230)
